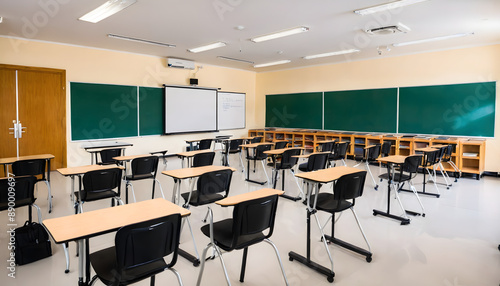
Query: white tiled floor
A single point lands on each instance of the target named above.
(455, 244)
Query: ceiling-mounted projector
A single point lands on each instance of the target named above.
(389, 30)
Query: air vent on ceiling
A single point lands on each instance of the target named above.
(389, 30)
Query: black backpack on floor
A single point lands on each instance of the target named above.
(32, 243)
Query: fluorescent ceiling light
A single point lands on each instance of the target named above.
(331, 54)
(235, 60)
(207, 47)
(387, 6)
(105, 10)
(272, 64)
(432, 39)
(280, 34)
(141, 41)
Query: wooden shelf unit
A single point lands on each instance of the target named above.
(472, 164)
(404, 146)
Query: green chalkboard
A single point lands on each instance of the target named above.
(456, 109)
(297, 110)
(151, 106)
(101, 111)
(369, 110)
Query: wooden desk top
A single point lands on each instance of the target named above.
(439, 146)
(197, 140)
(192, 153)
(325, 141)
(11, 160)
(84, 169)
(88, 224)
(396, 159)
(370, 146)
(234, 200)
(104, 145)
(254, 145)
(307, 155)
(327, 175)
(130, 157)
(427, 149)
(186, 173)
(280, 151)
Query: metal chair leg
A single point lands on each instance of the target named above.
(417, 196)
(433, 180)
(161, 189)
(177, 275)
(361, 229)
(279, 259)
(49, 198)
(399, 201)
(324, 240)
(265, 172)
(203, 263)
(298, 185)
(371, 176)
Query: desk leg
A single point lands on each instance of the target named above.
(81, 261)
(191, 258)
(423, 192)
(283, 188)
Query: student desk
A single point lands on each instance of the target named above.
(313, 179)
(190, 154)
(248, 147)
(425, 151)
(47, 157)
(189, 173)
(390, 161)
(94, 148)
(82, 227)
(234, 200)
(79, 171)
(275, 153)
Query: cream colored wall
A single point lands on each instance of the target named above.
(445, 67)
(110, 67)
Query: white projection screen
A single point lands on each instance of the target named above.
(190, 109)
(231, 110)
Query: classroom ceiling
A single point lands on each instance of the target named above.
(187, 24)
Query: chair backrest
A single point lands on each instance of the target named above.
(349, 186)
(203, 159)
(326, 147)
(431, 158)
(144, 166)
(447, 153)
(252, 217)
(280, 144)
(107, 155)
(213, 183)
(411, 164)
(287, 159)
(339, 150)
(256, 139)
(147, 242)
(373, 153)
(29, 168)
(205, 144)
(22, 188)
(259, 151)
(317, 161)
(234, 145)
(385, 150)
(100, 181)
(442, 152)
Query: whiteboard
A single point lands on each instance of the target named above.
(231, 110)
(189, 109)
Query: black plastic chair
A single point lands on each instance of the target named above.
(143, 168)
(139, 252)
(203, 159)
(259, 155)
(233, 147)
(442, 152)
(287, 162)
(326, 146)
(247, 226)
(431, 160)
(406, 173)
(316, 161)
(345, 191)
(447, 159)
(256, 139)
(339, 153)
(107, 156)
(98, 185)
(280, 144)
(35, 167)
(385, 150)
(370, 155)
(205, 144)
(22, 188)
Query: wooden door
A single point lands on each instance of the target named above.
(7, 113)
(42, 110)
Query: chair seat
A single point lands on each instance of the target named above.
(256, 158)
(207, 199)
(19, 203)
(328, 204)
(223, 235)
(139, 177)
(280, 166)
(94, 196)
(234, 151)
(303, 167)
(104, 264)
(397, 177)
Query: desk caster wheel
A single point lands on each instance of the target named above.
(368, 259)
(66, 271)
(330, 279)
(196, 263)
(376, 188)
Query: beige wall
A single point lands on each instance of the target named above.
(446, 67)
(102, 66)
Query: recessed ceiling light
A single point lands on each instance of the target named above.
(280, 34)
(107, 9)
(343, 52)
(235, 60)
(207, 47)
(140, 41)
(432, 39)
(272, 64)
(387, 6)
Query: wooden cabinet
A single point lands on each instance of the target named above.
(472, 157)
